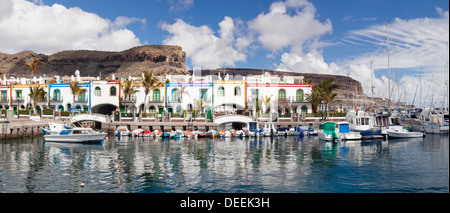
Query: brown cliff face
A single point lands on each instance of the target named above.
(161, 59)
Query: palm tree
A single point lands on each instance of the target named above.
(315, 97)
(37, 94)
(200, 105)
(327, 88)
(34, 65)
(266, 102)
(76, 90)
(128, 89)
(149, 82)
(307, 81)
(182, 91)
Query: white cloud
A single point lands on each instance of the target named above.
(312, 62)
(279, 29)
(417, 49)
(202, 45)
(49, 29)
(180, 5)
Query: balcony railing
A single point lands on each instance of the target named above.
(4, 100)
(81, 99)
(156, 101)
(130, 99)
(18, 99)
(57, 99)
(43, 100)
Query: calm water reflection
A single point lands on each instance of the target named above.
(226, 165)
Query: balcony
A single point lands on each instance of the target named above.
(43, 100)
(81, 99)
(18, 99)
(174, 100)
(56, 99)
(128, 100)
(156, 101)
(4, 100)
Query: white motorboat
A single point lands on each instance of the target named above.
(344, 132)
(363, 123)
(64, 134)
(328, 132)
(137, 132)
(397, 131)
(122, 131)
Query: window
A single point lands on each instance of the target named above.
(56, 95)
(97, 91)
(3, 98)
(255, 93)
(82, 97)
(221, 91)
(281, 94)
(237, 91)
(304, 110)
(112, 91)
(299, 95)
(151, 109)
(156, 95)
(203, 93)
(60, 108)
(19, 94)
(175, 95)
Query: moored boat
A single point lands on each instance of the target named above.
(64, 134)
(398, 131)
(328, 132)
(344, 132)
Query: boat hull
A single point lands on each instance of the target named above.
(404, 134)
(369, 134)
(79, 138)
(350, 136)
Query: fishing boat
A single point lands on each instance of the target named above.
(137, 132)
(344, 132)
(283, 131)
(309, 130)
(122, 131)
(212, 133)
(362, 122)
(199, 133)
(157, 133)
(65, 134)
(145, 133)
(166, 134)
(296, 131)
(269, 130)
(328, 132)
(225, 134)
(398, 131)
(187, 134)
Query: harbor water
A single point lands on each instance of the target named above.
(249, 165)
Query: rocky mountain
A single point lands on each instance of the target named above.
(161, 59)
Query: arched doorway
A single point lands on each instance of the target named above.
(105, 109)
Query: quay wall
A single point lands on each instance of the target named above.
(27, 127)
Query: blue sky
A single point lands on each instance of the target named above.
(311, 36)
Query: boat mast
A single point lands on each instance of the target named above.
(389, 70)
(371, 82)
